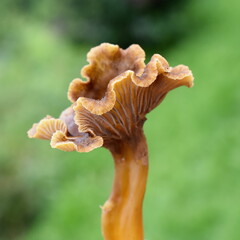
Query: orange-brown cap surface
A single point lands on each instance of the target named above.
(111, 105)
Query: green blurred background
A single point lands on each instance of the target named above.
(194, 135)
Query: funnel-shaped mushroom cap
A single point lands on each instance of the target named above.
(111, 105)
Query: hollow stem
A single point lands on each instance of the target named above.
(122, 213)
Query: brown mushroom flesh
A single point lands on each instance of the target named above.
(109, 110)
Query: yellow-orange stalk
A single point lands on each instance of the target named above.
(122, 213)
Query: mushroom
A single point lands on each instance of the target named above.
(108, 110)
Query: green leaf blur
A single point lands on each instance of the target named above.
(194, 145)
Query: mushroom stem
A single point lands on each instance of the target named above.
(122, 213)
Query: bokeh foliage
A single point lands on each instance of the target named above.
(193, 189)
(146, 22)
